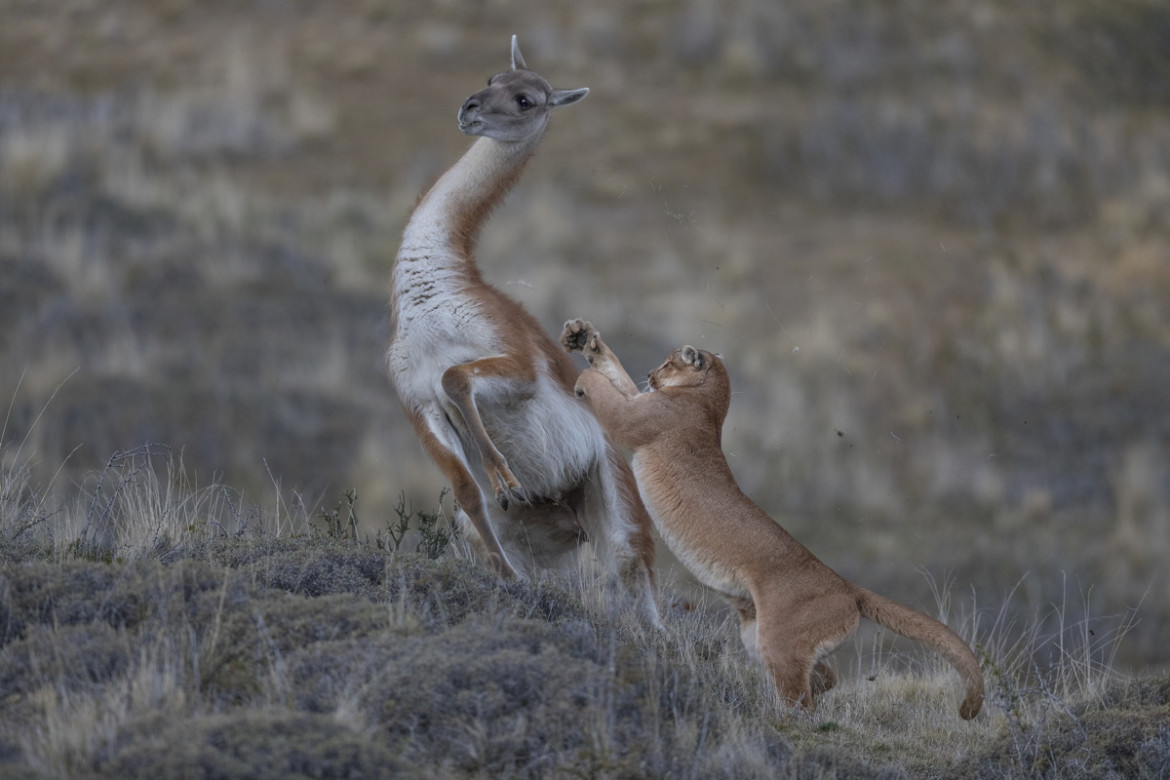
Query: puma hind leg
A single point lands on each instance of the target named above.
(794, 640)
(822, 679)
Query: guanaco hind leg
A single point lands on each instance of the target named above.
(438, 440)
(459, 385)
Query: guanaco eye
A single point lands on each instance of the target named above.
(523, 102)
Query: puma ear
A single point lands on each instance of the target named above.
(517, 57)
(692, 356)
(563, 97)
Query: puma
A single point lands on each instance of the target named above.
(794, 610)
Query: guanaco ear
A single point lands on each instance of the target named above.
(692, 356)
(563, 97)
(517, 57)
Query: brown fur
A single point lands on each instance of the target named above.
(794, 609)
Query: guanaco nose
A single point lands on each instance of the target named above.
(471, 104)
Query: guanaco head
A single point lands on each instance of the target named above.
(695, 372)
(516, 104)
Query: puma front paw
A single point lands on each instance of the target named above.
(581, 336)
(577, 335)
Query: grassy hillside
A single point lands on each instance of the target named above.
(930, 240)
(217, 640)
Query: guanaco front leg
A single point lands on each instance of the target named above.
(459, 385)
(581, 336)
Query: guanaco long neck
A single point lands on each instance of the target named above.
(439, 240)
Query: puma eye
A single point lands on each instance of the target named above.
(523, 102)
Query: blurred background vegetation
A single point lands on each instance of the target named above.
(931, 239)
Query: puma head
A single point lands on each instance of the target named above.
(697, 375)
(687, 367)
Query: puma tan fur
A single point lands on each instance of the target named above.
(794, 609)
